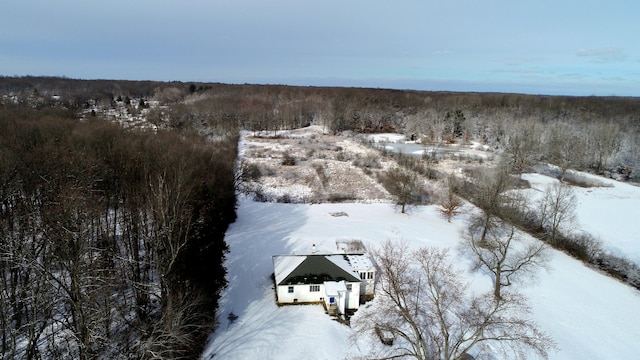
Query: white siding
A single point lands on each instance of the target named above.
(300, 292)
(303, 295)
(353, 301)
(368, 278)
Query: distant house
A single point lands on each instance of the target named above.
(336, 280)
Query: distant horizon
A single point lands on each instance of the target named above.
(569, 48)
(343, 84)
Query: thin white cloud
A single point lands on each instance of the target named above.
(604, 54)
(517, 71)
(572, 76)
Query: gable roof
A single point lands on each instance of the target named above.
(312, 269)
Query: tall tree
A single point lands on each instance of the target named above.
(458, 123)
(404, 185)
(604, 140)
(566, 149)
(422, 301)
(489, 192)
(523, 144)
(504, 253)
(556, 209)
(450, 203)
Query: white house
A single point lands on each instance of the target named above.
(362, 264)
(319, 278)
(355, 253)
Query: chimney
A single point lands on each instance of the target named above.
(313, 249)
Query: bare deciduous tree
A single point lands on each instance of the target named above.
(171, 215)
(556, 209)
(173, 338)
(502, 251)
(523, 145)
(490, 194)
(422, 302)
(403, 184)
(604, 140)
(566, 149)
(450, 204)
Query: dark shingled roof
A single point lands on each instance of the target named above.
(316, 269)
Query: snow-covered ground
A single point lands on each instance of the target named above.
(589, 315)
(611, 213)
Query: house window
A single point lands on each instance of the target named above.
(314, 288)
(290, 289)
(370, 275)
(363, 275)
(349, 286)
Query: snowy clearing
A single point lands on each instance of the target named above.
(610, 213)
(588, 314)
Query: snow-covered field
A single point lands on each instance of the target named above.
(589, 315)
(610, 213)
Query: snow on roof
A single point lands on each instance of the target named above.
(342, 262)
(332, 288)
(283, 265)
(360, 261)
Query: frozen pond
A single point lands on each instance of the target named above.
(417, 149)
(396, 143)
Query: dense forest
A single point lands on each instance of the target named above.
(598, 134)
(112, 237)
(111, 242)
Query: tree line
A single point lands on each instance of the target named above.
(596, 134)
(111, 241)
(599, 134)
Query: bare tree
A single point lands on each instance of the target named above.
(556, 209)
(503, 252)
(171, 221)
(421, 301)
(566, 149)
(403, 184)
(450, 204)
(177, 333)
(490, 194)
(604, 140)
(522, 145)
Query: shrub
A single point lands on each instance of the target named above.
(581, 180)
(621, 269)
(367, 161)
(288, 159)
(342, 155)
(336, 198)
(251, 172)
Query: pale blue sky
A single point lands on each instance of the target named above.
(573, 47)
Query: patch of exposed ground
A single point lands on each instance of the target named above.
(306, 165)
